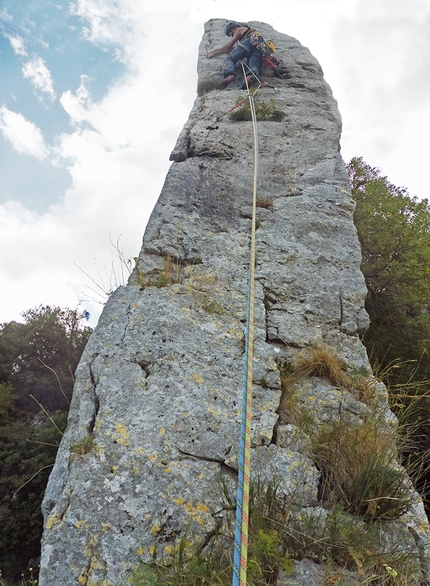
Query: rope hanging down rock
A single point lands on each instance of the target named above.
(242, 506)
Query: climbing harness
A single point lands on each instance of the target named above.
(257, 41)
(242, 506)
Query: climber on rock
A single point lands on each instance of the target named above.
(249, 46)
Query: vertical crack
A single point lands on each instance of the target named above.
(127, 323)
(341, 308)
(96, 400)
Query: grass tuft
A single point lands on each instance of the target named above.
(289, 409)
(194, 565)
(210, 305)
(353, 552)
(83, 446)
(325, 363)
(360, 470)
(267, 204)
(207, 85)
(264, 111)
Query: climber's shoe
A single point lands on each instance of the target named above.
(228, 79)
(250, 80)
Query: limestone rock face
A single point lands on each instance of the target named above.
(159, 386)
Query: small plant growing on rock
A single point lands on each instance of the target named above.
(210, 305)
(140, 277)
(289, 410)
(267, 204)
(365, 386)
(171, 273)
(354, 553)
(360, 469)
(83, 446)
(206, 85)
(263, 110)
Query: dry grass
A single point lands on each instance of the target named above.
(289, 410)
(323, 362)
(267, 204)
(360, 469)
(347, 545)
(171, 273)
(366, 389)
(358, 462)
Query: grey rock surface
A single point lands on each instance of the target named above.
(159, 385)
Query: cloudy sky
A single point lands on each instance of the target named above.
(93, 94)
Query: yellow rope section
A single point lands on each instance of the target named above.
(242, 510)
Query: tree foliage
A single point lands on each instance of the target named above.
(27, 454)
(394, 232)
(39, 357)
(7, 403)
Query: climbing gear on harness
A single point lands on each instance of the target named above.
(228, 79)
(271, 47)
(270, 62)
(258, 42)
(229, 26)
(242, 510)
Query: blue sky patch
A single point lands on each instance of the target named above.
(44, 53)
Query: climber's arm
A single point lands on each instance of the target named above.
(229, 46)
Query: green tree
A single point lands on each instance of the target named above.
(39, 357)
(394, 232)
(27, 454)
(7, 403)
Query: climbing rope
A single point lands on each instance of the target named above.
(261, 83)
(242, 507)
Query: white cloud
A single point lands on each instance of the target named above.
(118, 146)
(118, 156)
(77, 105)
(40, 76)
(34, 260)
(43, 44)
(108, 23)
(381, 82)
(24, 136)
(5, 16)
(17, 44)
